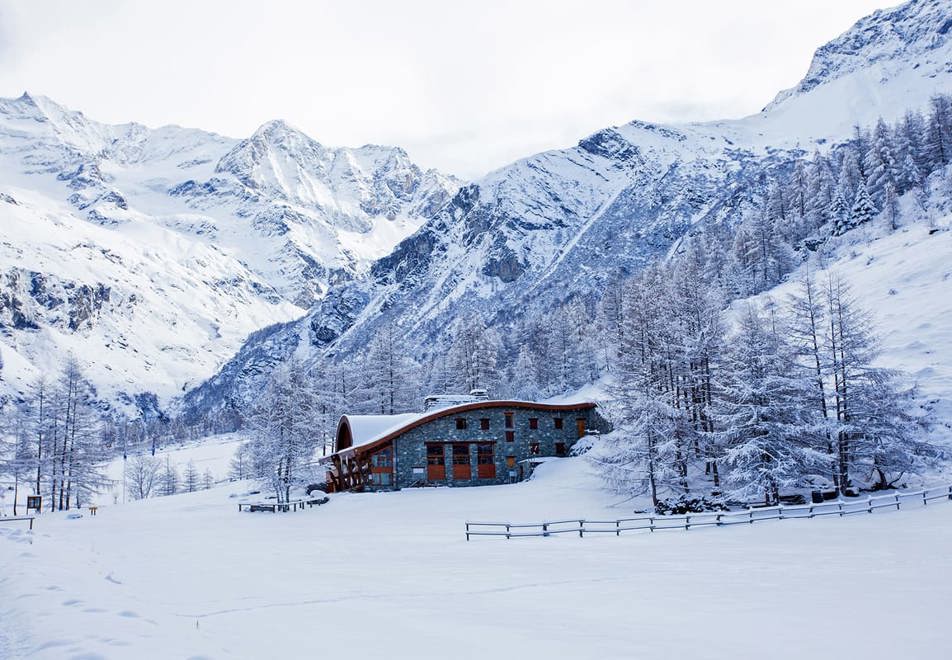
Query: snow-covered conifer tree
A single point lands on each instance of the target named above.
(169, 477)
(190, 478)
(764, 413)
(864, 210)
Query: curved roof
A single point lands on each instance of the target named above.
(364, 432)
(367, 428)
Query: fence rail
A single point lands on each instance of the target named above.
(18, 519)
(688, 521)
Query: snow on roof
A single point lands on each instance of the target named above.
(368, 428)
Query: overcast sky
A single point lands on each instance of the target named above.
(465, 86)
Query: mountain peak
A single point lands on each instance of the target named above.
(915, 33)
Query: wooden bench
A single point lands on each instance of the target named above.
(284, 507)
(92, 510)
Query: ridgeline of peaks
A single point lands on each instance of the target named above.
(560, 224)
(153, 253)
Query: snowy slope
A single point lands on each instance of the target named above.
(116, 586)
(153, 253)
(904, 281)
(563, 222)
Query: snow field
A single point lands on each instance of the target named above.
(391, 574)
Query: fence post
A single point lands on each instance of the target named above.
(467, 531)
(950, 492)
(839, 505)
(717, 519)
(925, 502)
(811, 509)
(897, 501)
(507, 532)
(750, 510)
(687, 523)
(617, 528)
(581, 528)
(545, 529)
(650, 523)
(869, 504)
(780, 512)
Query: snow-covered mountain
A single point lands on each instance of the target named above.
(151, 254)
(559, 223)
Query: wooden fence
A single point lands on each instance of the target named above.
(18, 519)
(708, 518)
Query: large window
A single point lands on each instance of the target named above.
(510, 424)
(460, 423)
(533, 423)
(558, 422)
(484, 424)
(381, 478)
(485, 461)
(510, 436)
(560, 449)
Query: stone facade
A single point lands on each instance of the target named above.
(410, 448)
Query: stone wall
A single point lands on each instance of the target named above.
(410, 448)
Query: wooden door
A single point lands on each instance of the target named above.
(435, 462)
(461, 468)
(580, 426)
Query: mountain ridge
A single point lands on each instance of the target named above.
(560, 223)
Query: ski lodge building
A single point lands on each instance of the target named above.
(456, 441)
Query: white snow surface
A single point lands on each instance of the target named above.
(368, 428)
(188, 576)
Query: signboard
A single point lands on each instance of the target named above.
(418, 471)
(34, 502)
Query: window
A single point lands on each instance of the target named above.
(533, 423)
(558, 422)
(509, 421)
(485, 461)
(484, 424)
(460, 422)
(381, 478)
(560, 449)
(383, 458)
(434, 454)
(534, 448)
(510, 436)
(511, 462)
(461, 454)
